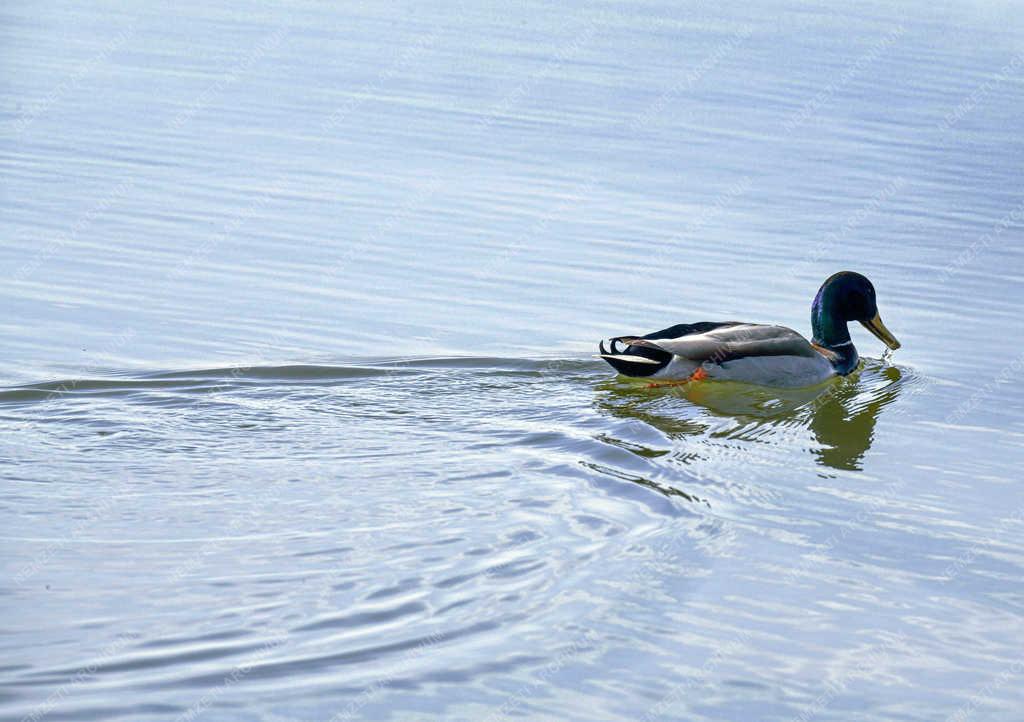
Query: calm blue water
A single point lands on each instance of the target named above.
(298, 417)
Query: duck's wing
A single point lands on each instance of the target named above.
(719, 343)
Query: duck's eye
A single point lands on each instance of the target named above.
(858, 301)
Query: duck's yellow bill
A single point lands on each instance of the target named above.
(878, 328)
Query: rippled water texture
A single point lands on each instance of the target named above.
(298, 415)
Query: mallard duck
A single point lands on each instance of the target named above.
(757, 353)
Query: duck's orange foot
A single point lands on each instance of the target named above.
(699, 375)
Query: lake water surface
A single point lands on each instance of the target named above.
(298, 414)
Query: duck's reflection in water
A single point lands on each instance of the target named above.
(841, 414)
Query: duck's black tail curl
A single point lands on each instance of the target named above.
(635, 361)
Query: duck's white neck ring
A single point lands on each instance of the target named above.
(840, 345)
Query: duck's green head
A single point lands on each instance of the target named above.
(845, 297)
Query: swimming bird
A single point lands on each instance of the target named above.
(758, 353)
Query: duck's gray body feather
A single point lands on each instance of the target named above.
(753, 353)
